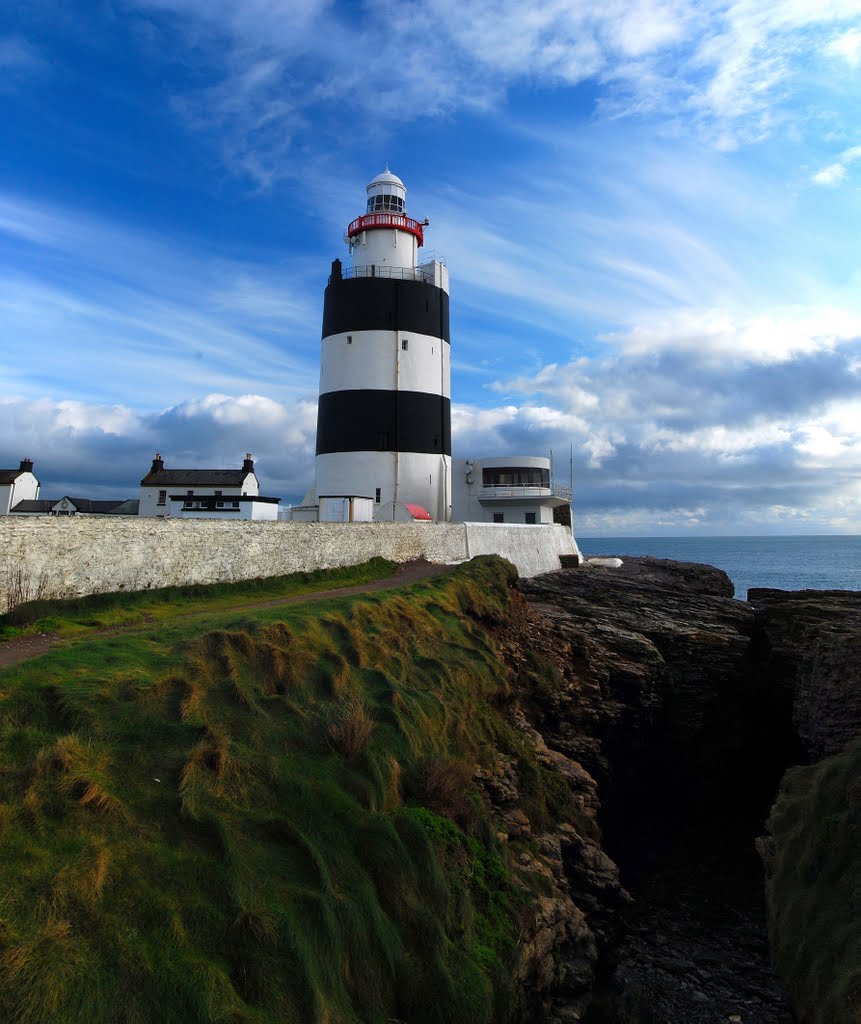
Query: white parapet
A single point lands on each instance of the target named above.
(70, 556)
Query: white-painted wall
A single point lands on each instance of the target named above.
(81, 554)
(256, 510)
(360, 360)
(385, 247)
(473, 502)
(149, 505)
(24, 487)
(413, 477)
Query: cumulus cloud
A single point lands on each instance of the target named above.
(676, 435)
(103, 451)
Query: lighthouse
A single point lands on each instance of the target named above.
(384, 414)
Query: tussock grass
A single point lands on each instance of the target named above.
(269, 820)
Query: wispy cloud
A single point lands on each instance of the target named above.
(19, 59)
(727, 72)
(111, 309)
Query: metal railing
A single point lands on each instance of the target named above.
(386, 220)
(422, 273)
(527, 491)
(521, 491)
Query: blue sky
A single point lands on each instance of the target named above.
(650, 212)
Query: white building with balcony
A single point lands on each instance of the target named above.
(505, 489)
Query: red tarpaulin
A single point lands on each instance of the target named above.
(417, 512)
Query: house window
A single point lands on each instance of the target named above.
(162, 498)
(530, 518)
(218, 494)
(498, 517)
(188, 503)
(235, 504)
(219, 504)
(377, 495)
(405, 344)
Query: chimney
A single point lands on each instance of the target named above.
(26, 466)
(157, 464)
(248, 464)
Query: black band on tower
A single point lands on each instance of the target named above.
(383, 304)
(385, 421)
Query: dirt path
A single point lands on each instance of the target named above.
(26, 647)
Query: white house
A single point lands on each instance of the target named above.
(205, 493)
(505, 489)
(17, 485)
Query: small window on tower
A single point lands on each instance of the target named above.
(405, 343)
(377, 495)
(530, 518)
(498, 517)
(349, 339)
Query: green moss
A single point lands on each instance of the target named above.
(205, 820)
(814, 892)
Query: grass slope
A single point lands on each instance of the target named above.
(814, 888)
(261, 820)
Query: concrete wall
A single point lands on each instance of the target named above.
(68, 556)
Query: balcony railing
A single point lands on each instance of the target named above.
(527, 491)
(422, 273)
(370, 221)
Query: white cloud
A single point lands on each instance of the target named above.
(838, 172)
(715, 335)
(847, 46)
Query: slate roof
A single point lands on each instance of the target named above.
(9, 476)
(129, 507)
(195, 478)
(94, 507)
(43, 505)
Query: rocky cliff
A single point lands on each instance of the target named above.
(678, 710)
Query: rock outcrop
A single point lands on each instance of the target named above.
(656, 692)
(674, 710)
(815, 641)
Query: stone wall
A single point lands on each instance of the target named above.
(68, 556)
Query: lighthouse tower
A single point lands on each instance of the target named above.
(384, 415)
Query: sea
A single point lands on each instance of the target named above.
(785, 563)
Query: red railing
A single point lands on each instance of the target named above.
(386, 220)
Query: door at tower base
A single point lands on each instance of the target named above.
(341, 508)
(395, 479)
